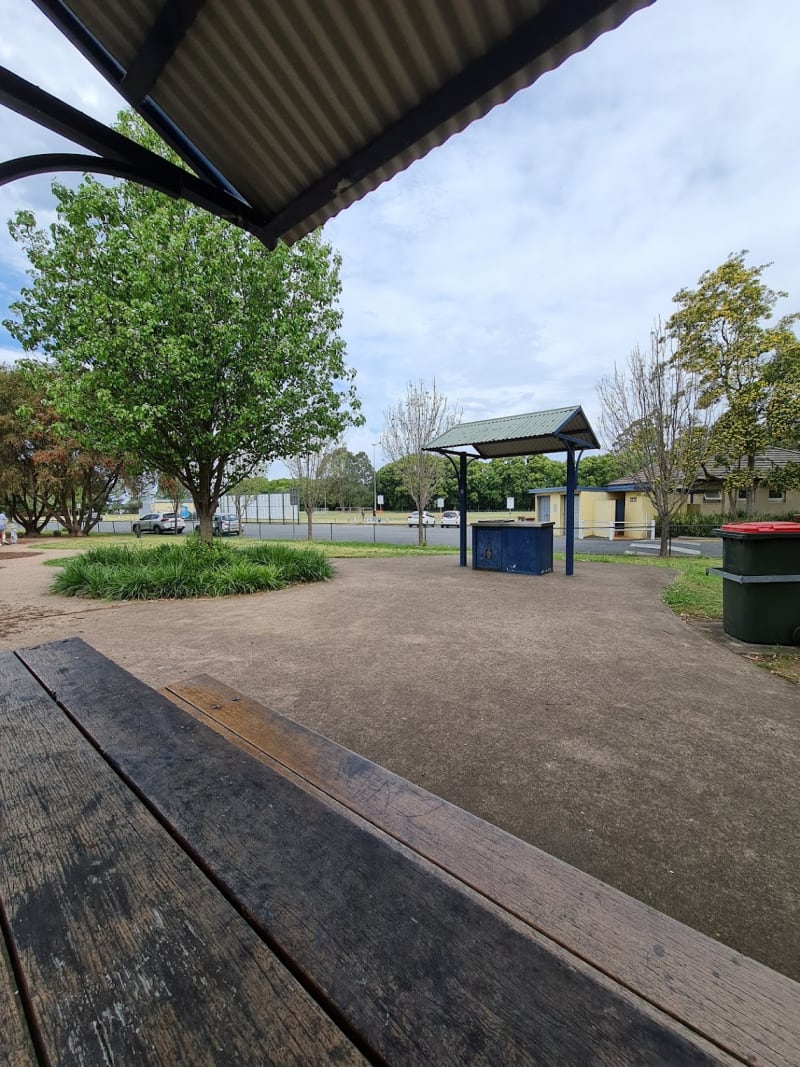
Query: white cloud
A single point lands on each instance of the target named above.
(9, 355)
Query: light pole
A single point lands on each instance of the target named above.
(374, 484)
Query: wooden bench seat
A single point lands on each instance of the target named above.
(738, 1003)
(281, 891)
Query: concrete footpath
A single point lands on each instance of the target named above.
(577, 713)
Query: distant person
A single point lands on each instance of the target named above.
(3, 540)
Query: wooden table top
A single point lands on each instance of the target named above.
(170, 897)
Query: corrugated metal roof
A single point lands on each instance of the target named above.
(519, 435)
(306, 106)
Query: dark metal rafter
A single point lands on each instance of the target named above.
(166, 33)
(74, 30)
(116, 155)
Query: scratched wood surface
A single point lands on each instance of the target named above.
(734, 1001)
(421, 967)
(130, 954)
(16, 1049)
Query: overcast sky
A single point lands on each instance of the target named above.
(519, 261)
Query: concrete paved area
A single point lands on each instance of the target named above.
(578, 713)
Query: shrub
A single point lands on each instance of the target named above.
(192, 569)
(684, 525)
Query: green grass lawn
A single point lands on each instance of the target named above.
(340, 549)
(364, 550)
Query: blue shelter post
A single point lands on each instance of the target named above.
(572, 480)
(462, 509)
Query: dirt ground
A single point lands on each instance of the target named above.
(577, 713)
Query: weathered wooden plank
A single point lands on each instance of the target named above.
(128, 950)
(734, 1001)
(16, 1049)
(423, 968)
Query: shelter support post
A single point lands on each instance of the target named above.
(462, 510)
(570, 515)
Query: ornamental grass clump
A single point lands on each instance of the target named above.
(192, 569)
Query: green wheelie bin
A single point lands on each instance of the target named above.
(761, 581)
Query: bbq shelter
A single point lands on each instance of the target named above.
(538, 432)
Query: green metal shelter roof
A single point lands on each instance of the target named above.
(519, 435)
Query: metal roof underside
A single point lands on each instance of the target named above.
(297, 109)
(519, 435)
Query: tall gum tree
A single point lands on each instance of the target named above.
(181, 340)
(747, 366)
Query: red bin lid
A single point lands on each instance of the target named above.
(762, 527)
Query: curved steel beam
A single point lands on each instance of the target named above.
(129, 159)
(166, 179)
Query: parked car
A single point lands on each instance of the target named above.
(427, 519)
(451, 518)
(223, 526)
(159, 522)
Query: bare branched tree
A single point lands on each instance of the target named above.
(651, 414)
(310, 470)
(408, 427)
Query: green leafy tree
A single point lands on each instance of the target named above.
(491, 482)
(748, 367)
(544, 471)
(391, 486)
(600, 470)
(409, 427)
(349, 479)
(182, 340)
(278, 485)
(252, 487)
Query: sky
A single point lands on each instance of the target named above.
(520, 261)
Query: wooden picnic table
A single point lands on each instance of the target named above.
(187, 877)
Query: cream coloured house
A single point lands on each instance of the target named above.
(622, 509)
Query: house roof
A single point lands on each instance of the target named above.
(765, 462)
(295, 110)
(519, 435)
(563, 489)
